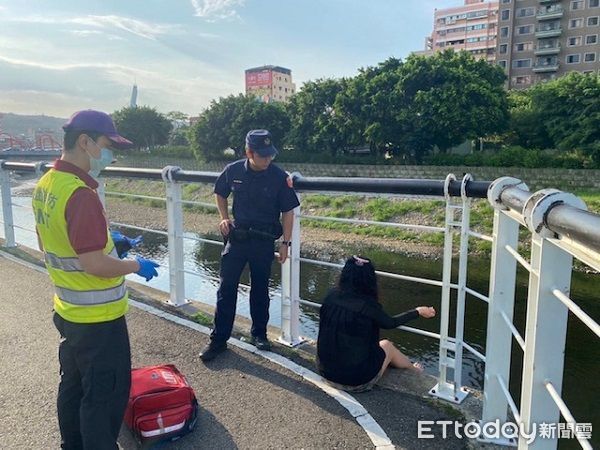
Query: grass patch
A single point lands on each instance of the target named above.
(316, 201)
(200, 209)
(202, 319)
(384, 210)
(395, 210)
(591, 199)
(190, 189)
(193, 192)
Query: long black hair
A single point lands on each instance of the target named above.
(358, 277)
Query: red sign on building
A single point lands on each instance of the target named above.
(258, 79)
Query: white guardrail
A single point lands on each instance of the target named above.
(560, 227)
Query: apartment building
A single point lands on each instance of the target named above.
(471, 27)
(539, 40)
(270, 83)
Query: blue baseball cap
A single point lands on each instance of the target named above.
(100, 122)
(261, 142)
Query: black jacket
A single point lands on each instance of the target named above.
(348, 350)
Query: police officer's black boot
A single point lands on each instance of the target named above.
(212, 350)
(261, 343)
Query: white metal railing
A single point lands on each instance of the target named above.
(547, 214)
(560, 230)
(457, 224)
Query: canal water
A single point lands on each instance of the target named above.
(582, 357)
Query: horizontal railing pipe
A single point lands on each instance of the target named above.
(123, 194)
(24, 167)
(515, 198)
(135, 227)
(513, 330)
(24, 228)
(409, 186)
(515, 254)
(511, 402)
(479, 295)
(374, 222)
(309, 303)
(575, 309)
(484, 237)
(477, 353)
(576, 224)
(419, 331)
(204, 240)
(566, 413)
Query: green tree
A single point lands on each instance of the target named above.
(569, 108)
(448, 98)
(179, 119)
(179, 136)
(312, 116)
(526, 126)
(144, 126)
(225, 123)
(408, 108)
(366, 111)
(181, 127)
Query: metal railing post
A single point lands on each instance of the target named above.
(546, 326)
(462, 282)
(175, 237)
(290, 289)
(503, 274)
(7, 215)
(445, 390)
(545, 337)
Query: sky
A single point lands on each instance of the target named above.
(59, 56)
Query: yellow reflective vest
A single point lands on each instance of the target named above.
(80, 297)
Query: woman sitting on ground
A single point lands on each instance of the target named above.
(349, 353)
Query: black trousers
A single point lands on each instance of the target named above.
(95, 376)
(259, 255)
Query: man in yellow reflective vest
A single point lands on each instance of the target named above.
(91, 298)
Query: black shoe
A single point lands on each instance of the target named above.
(261, 343)
(212, 350)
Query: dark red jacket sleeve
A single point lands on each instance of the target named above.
(86, 221)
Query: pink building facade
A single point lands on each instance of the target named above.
(472, 27)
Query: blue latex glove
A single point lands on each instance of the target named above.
(123, 244)
(147, 268)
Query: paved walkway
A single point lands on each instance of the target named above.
(246, 401)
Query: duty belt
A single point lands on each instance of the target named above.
(244, 234)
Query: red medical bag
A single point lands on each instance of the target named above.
(162, 405)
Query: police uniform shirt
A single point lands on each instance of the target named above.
(258, 197)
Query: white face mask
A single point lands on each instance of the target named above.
(98, 164)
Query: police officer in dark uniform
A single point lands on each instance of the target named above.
(262, 192)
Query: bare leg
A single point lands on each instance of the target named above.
(396, 358)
